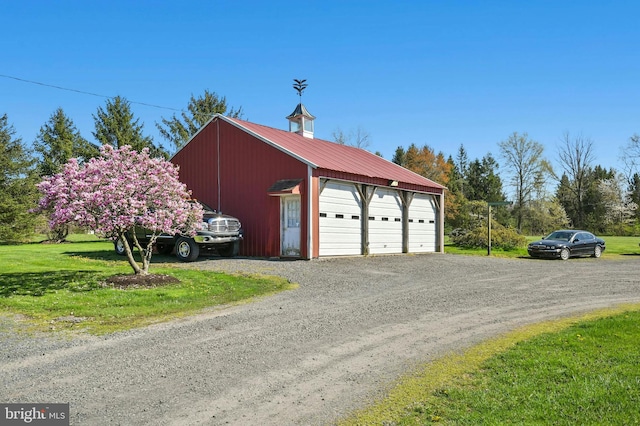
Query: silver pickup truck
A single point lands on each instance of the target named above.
(219, 233)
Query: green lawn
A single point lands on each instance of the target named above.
(616, 246)
(62, 286)
(568, 372)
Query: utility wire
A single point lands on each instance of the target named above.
(85, 93)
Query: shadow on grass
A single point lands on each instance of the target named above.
(111, 255)
(40, 283)
(157, 259)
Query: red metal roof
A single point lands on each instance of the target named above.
(323, 154)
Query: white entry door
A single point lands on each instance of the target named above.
(290, 225)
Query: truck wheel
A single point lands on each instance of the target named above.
(229, 250)
(186, 249)
(118, 245)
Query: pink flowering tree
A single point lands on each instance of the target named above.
(118, 191)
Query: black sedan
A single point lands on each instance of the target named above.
(564, 244)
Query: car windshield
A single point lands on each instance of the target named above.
(560, 235)
(206, 209)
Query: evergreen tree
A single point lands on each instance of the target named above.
(18, 193)
(455, 177)
(116, 126)
(565, 197)
(59, 141)
(634, 190)
(483, 183)
(456, 213)
(583, 198)
(595, 206)
(200, 110)
(462, 160)
(462, 165)
(398, 156)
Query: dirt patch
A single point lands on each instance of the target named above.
(124, 282)
(71, 319)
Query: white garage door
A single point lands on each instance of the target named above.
(340, 210)
(385, 222)
(422, 224)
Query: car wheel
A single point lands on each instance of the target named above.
(597, 252)
(118, 245)
(565, 253)
(186, 249)
(164, 248)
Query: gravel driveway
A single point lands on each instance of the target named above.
(306, 356)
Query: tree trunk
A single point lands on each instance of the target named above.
(129, 252)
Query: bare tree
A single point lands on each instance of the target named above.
(523, 159)
(576, 156)
(359, 137)
(630, 156)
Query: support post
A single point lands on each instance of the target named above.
(489, 204)
(488, 229)
(366, 194)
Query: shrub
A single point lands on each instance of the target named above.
(501, 237)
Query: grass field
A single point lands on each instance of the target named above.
(62, 287)
(568, 372)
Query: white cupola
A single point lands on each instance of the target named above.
(301, 122)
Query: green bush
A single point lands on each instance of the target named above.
(501, 237)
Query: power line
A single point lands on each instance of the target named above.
(84, 92)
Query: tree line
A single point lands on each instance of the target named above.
(58, 141)
(580, 194)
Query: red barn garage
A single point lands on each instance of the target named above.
(301, 197)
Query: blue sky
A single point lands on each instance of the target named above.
(441, 73)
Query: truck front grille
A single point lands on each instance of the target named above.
(225, 225)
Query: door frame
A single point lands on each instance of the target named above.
(284, 218)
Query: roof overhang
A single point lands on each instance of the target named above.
(285, 187)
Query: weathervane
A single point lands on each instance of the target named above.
(300, 85)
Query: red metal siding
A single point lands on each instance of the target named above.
(197, 171)
(248, 167)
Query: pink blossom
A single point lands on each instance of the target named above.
(118, 190)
